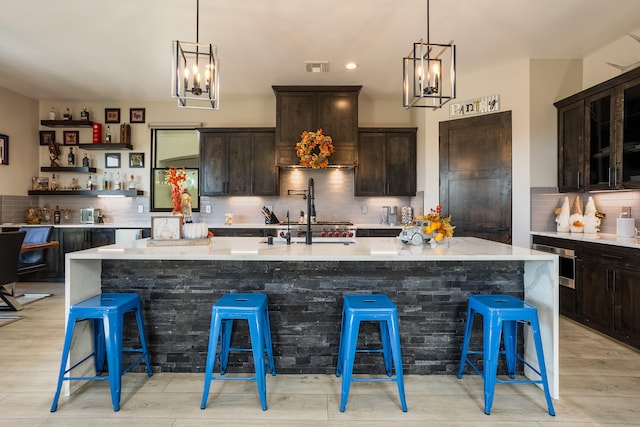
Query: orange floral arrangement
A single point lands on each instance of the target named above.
(439, 226)
(175, 177)
(314, 149)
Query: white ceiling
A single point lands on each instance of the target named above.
(121, 49)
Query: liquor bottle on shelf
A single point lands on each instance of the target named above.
(131, 185)
(107, 138)
(89, 183)
(56, 215)
(85, 161)
(52, 113)
(53, 185)
(105, 182)
(117, 184)
(71, 158)
(84, 114)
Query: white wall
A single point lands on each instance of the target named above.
(19, 121)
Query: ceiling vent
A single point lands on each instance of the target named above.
(317, 66)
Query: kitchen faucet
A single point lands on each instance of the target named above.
(311, 210)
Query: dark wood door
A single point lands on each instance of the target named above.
(571, 147)
(401, 164)
(626, 300)
(371, 172)
(239, 161)
(475, 175)
(213, 164)
(263, 165)
(595, 294)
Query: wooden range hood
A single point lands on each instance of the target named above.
(332, 108)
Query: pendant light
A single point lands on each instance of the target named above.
(195, 74)
(429, 70)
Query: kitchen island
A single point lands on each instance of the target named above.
(305, 285)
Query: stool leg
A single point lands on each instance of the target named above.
(267, 341)
(98, 345)
(339, 366)
(113, 340)
(143, 339)
(535, 329)
(394, 338)
(257, 347)
(225, 344)
(68, 338)
(510, 338)
(465, 341)
(214, 332)
(386, 347)
(349, 342)
(492, 331)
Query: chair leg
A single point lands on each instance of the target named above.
(143, 340)
(225, 343)
(113, 340)
(68, 338)
(465, 341)
(214, 332)
(339, 366)
(491, 355)
(267, 341)
(98, 345)
(257, 347)
(349, 343)
(386, 347)
(394, 339)
(537, 339)
(510, 339)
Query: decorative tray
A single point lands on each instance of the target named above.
(175, 242)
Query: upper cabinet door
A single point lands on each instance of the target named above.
(214, 171)
(571, 153)
(631, 135)
(600, 141)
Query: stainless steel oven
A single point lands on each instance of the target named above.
(567, 263)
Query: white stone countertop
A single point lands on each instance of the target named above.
(606, 239)
(369, 249)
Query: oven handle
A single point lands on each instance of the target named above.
(561, 252)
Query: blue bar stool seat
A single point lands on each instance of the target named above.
(362, 308)
(107, 313)
(501, 315)
(254, 309)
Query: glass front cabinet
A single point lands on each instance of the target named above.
(608, 137)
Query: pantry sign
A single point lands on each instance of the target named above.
(487, 104)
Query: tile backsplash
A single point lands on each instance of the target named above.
(545, 200)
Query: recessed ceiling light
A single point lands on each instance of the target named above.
(351, 66)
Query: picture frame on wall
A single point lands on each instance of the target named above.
(70, 137)
(47, 137)
(112, 115)
(136, 160)
(4, 149)
(112, 160)
(166, 227)
(136, 115)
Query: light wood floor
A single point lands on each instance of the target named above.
(600, 385)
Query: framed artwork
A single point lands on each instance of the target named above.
(161, 195)
(136, 115)
(70, 137)
(136, 160)
(112, 160)
(166, 227)
(47, 137)
(112, 115)
(4, 150)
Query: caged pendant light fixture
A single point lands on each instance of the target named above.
(429, 70)
(196, 72)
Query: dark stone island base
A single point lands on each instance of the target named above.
(305, 303)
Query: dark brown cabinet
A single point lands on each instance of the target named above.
(571, 167)
(609, 291)
(238, 162)
(309, 108)
(386, 162)
(599, 136)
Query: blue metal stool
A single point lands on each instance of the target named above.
(362, 308)
(252, 308)
(501, 315)
(107, 312)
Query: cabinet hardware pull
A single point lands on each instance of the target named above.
(609, 183)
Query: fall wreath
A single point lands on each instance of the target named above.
(314, 149)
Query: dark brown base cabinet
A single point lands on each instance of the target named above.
(386, 162)
(238, 162)
(609, 290)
